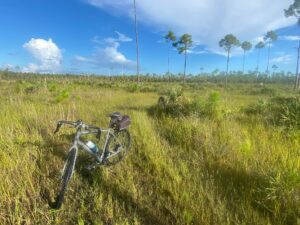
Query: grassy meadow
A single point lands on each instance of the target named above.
(202, 155)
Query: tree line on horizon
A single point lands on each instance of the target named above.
(184, 43)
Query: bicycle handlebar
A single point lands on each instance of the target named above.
(77, 124)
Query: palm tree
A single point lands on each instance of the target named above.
(137, 44)
(227, 43)
(274, 67)
(246, 46)
(183, 45)
(170, 38)
(269, 38)
(259, 46)
(294, 10)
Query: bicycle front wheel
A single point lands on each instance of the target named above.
(66, 176)
(117, 147)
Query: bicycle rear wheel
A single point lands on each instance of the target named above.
(66, 176)
(117, 147)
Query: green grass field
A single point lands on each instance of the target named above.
(225, 161)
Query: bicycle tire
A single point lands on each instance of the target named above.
(122, 138)
(66, 176)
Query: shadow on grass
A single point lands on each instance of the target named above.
(239, 187)
(146, 215)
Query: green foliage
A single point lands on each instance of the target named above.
(271, 36)
(177, 104)
(246, 45)
(53, 87)
(174, 94)
(134, 87)
(170, 37)
(260, 45)
(31, 88)
(228, 42)
(62, 96)
(260, 107)
(184, 43)
(281, 111)
(212, 107)
(287, 111)
(293, 10)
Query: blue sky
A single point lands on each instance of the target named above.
(97, 36)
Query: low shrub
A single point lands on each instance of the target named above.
(263, 91)
(52, 87)
(30, 89)
(62, 96)
(134, 87)
(281, 111)
(176, 104)
(287, 111)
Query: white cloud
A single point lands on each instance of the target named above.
(81, 58)
(258, 39)
(290, 38)
(207, 20)
(112, 41)
(47, 54)
(285, 59)
(196, 52)
(107, 54)
(122, 37)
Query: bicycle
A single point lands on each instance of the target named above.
(117, 144)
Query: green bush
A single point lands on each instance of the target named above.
(30, 89)
(287, 111)
(281, 111)
(52, 87)
(260, 107)
(134, 87)
(62, 96)
(176, 104)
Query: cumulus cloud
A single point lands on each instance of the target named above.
(47, 55)
(207, 20)
(107, 54)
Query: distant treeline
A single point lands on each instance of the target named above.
(214, 77)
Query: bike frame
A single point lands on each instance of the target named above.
(77, 143)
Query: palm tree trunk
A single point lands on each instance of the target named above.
(257, 66)
(269, 48)
(169, 63)
(137, 45)
(244, 61)
(297, 80)
(227, 67)
(184, 66)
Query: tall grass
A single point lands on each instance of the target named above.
(202, 167)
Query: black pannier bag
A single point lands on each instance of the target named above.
(125, 122)
(119, 122)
